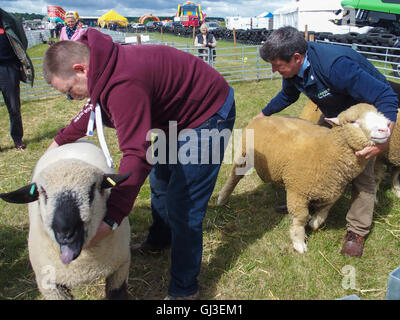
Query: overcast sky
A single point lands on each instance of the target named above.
(130, 8)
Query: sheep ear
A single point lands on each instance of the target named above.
(333, 121)
(25, 194)
(113, 180)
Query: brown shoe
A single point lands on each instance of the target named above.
(282, 209)
(353, 245)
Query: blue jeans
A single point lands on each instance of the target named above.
(179, 198)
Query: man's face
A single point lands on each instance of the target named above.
(288, 69)
(75, 85)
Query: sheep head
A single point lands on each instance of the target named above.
(72, 197)
(362, 125)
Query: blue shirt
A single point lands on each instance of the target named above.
(304, 66)
(336, 78)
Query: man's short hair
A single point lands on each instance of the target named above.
(283, 43)
(61, 56)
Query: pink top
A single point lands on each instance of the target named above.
(76, 36)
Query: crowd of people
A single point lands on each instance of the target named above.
(137, 97)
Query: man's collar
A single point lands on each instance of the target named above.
(304, 66)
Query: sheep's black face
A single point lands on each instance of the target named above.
(68, 226)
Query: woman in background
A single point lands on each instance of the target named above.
(206, 39)
(73, 29)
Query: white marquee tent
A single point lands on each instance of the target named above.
(313, 13)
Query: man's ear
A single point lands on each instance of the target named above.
(79, 68)
(298, 57)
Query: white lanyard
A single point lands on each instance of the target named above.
(95, 116)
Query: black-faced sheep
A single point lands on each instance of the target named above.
(313, 163)
(67, 201)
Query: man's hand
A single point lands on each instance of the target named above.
(370, 152)
(103, 231)
(52, 146)
(260, 115)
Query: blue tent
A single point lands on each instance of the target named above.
(265, 14)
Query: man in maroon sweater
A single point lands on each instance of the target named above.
(140, 88)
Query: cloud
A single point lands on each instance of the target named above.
(140, 7)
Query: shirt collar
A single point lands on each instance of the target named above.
(304, 66)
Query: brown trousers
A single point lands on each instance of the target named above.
(359, 217)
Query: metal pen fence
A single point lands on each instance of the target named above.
(236, 63)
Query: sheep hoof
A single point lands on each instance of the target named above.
(396, 183)
(300, 247)
(119, 293)
(315, 222)
(221, 200)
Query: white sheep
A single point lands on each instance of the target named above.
(390, 157)
(67, 201)
(313, 163)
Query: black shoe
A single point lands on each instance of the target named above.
(20, 145)
(145, 247)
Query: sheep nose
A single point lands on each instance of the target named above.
(66, 237)
(385, 131)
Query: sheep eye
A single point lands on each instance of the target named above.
(91, 193)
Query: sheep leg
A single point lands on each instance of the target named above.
(379, 170)
(238, 166)
(116, 283)
(229, 186)
(319, 217)
(55, 292)
(299, 210)
(395, 182)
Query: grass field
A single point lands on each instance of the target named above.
(247, 249)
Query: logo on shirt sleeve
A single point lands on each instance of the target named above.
(324, 93)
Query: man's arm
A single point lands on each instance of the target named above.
(347, 76)
(288, 95)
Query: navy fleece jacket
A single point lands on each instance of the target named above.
(337, 78)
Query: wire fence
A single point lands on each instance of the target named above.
(237, 63)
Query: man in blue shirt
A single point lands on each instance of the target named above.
(334, 78)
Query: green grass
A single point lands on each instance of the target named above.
(247, 249)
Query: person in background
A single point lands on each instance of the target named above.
(334, 78)
(204, 40)
(58, 28)
(15, 66)
(51, 26)
(73, 30)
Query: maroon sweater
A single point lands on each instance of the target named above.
(140, 87)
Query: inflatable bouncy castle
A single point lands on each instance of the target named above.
(190, 14)
(56, 13)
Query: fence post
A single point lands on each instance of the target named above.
(243, 62)
(386, 61)
(306, 32)
(258, 64)
(234, 41)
